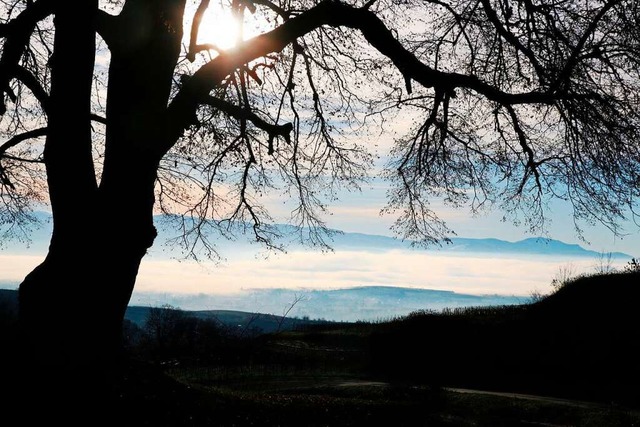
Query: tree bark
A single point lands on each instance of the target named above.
(72, 305)
(53, 287)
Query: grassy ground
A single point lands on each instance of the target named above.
(580, 344)
(211, 397)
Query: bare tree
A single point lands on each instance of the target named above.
(296, 299)
(114, 110)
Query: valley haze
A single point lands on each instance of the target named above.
(365, 277)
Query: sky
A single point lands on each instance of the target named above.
(305, 269)
(246, 269)
(161, 278)
(360, 212)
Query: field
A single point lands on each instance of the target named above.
(569, 359)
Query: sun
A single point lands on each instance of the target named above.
(220, 28)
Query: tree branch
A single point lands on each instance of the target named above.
(106, 27)
(240, 113)
(17, 139)
(332, 13)
(99, 119)
(575, 55)
(31, 82)
(531, 166)
(195, 28)
(285, 14)
(512, 39)
(17, 33)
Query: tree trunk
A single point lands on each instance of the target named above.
(72, 305)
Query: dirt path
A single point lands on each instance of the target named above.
(302, 382)
(547, 399)
(360, 383)
(554, 400)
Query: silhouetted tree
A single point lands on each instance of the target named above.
(114, 109)
(632, 266)
(168, 330)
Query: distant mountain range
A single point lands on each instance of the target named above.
(368, 303)
(239, 321)
(340, 241)
(533, 246)
(359, 300)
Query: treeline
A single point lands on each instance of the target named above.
(171, 335)
(582, 341)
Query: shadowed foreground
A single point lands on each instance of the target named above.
(149, 397)
(574, 350)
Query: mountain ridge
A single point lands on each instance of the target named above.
(365, 303)
(339, 240)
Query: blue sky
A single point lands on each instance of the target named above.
(243, 272)
(246, 269)
(360, 212)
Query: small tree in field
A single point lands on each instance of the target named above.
(116, 109)
(632, 266)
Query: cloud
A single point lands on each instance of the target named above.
(307, 270)
(14, 268)
(366, 303)
(251, 283)
(357, 262)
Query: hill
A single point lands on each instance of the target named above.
(37, 239)
(260, 323)
(578, 343)
(574, 351)
(350, 304)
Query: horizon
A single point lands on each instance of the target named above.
(235, 282)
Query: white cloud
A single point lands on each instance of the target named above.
(473, 274)
(14, 268)
(237, 283)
